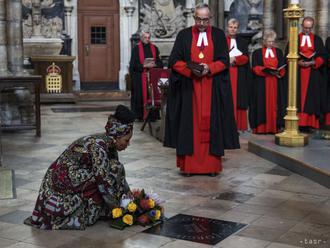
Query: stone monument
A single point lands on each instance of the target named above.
(163, 19)
(41, 32)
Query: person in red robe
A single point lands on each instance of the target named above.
(239, 73)
(200, 120)
(138, 69)
(311, 86)
(327, 115)
(269, 91)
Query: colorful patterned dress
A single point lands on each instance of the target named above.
(84, 183)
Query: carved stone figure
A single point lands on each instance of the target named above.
(161, 18)
(52, 28)
(249, 13)
(43, 18)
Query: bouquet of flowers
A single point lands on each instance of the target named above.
(138, 208)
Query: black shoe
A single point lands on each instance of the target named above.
(213, 174)
(305, 129)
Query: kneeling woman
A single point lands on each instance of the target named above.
(87, 180)
(268, 96)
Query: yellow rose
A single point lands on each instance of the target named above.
(158, 214)
(131, 207)
(116, 213)
(151, 203)
(128, 219)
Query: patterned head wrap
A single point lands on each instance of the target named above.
(121, 123)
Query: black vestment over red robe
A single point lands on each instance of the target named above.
(240, 77)
(261, 92)
(327, 115)
(179, 128)
(311, 84)
(138, 76)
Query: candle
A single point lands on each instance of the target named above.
(294, 2)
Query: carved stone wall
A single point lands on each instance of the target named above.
(52, 18)
(248, 12)
(162, 18)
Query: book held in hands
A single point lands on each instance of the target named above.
(234, 52)
(306, 57)
(272, 70)
(147, 61)
(195, 67)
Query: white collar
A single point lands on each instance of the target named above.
(269, 52)
(306, 39)
(233, 50)
(202, 38)
(233, 43)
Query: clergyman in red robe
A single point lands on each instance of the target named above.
(144, 56)
(239, 73)
(311, 86)
(200, 121)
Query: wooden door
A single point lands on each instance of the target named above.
(98, 41)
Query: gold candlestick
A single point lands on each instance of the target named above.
(291, 136)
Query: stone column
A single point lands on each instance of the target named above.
(329, 17)
(269, 14)
(322, 19)
(310, 7)
(67, 19)
(221, 14)
(189, 8)
(128, 25)
(73, 31)
(3, 40)
(15, 36)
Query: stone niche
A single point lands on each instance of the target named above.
(163, 19)
(43, 25)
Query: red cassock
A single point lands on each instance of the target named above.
(271, 93)
(200, 162)
(327, 115)
(304, 118)
(240, 114)
(327, 119)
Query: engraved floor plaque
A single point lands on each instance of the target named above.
(196, 229)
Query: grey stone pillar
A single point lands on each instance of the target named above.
(269, 14)
(189, 11)
(3, 39)
(329, 17)
(322, 19)
(67, 13)
(310, 7)
(14, 36)
(221, 14)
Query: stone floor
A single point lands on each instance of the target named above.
(281, 209)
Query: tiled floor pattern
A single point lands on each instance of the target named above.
(281, 209)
